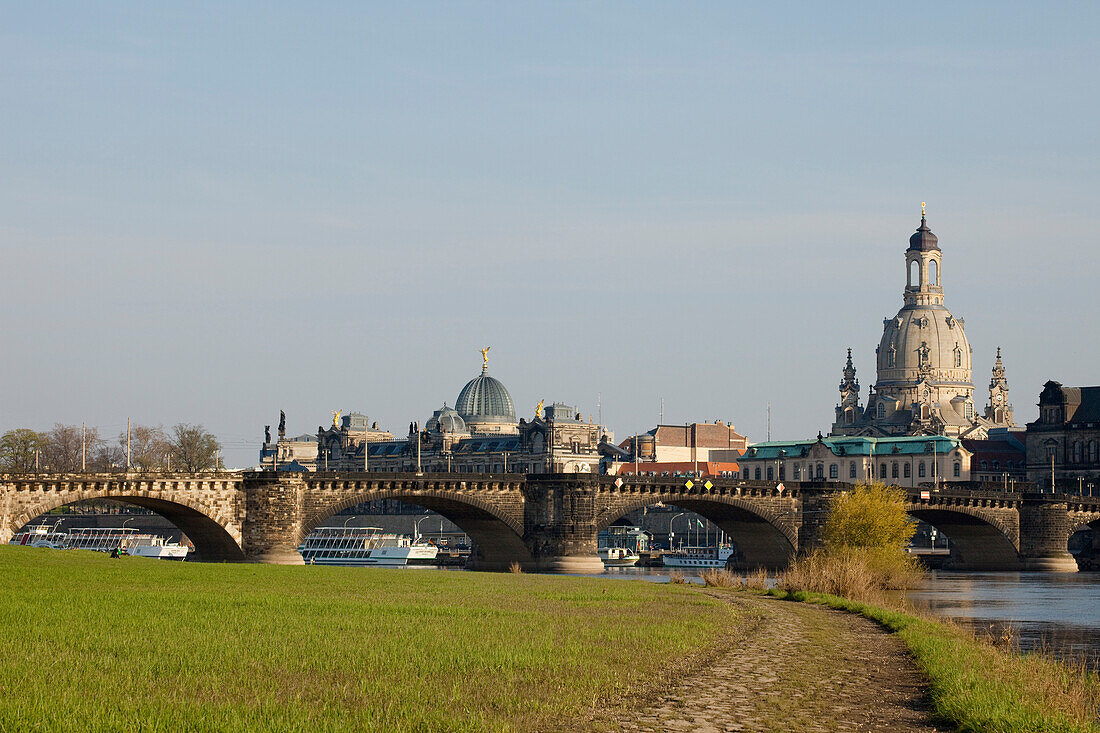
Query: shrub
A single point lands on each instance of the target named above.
(719, 578)
(870, 515)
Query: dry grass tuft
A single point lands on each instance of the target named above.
(677, 578)
(515, 568)
(757, 579)
(857, 574)
(720, 578)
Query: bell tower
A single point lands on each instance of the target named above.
(998, 410)
(922, 263)
(848, 411)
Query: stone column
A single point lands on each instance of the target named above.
(560, 522)
(273, 517)
(1044, 534)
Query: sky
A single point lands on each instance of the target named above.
(213, 211)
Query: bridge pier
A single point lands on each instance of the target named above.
(1044, 534)
(814, 513)
(273, 518)
(560, 523)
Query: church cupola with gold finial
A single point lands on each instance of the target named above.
(922, 262)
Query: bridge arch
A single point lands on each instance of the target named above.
(214, 537)
(497, 537)
(979, 540)
(766, 538)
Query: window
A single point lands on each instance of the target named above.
(834, 471)
(996, 465)
(1092, 451)
(881, 411)
(746, 474)
(957, 471)
(920, 470)
(891, 357)
(797, 472)
(907, 470)
(893, 470)
(1076, 451)
(758, 473)
(771, 472)
(933, 272)
(882, 471)
(969, 410)
(782, 472)
(821, 470)
(852, 469)
(958, 357)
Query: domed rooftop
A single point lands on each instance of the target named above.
(923, 239)
(485, 400)
(446, 420)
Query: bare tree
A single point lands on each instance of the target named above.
(18, 448)
(63, 448)
(149, 447)
(193, 448)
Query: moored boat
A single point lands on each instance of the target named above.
(364, 546)
(697, 557)
(618, 557)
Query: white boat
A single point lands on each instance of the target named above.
(40, 535)
(618, 557)
(99, 539)
(364, 546)
(155, 546)
(697, 557)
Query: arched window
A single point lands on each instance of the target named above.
(933, 272)
(1076, 451)
(893, 470)
(921, 473)
(758, 473)
(996, 465)
(1092, 451)
(957, 471)
(852, 469)
(914, 273)
(881, 411)
(985, 466)
(771, 473)
(907, 470)
(958, 356)
(891, 357)
(834, 471)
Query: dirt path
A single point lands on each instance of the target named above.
(799, 668)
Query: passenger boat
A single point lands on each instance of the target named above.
(364, 546)
(697, 557)
(40, 535)
(155, 546)
(618, 557)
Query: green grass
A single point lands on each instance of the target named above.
(90, 643)
(978, 687)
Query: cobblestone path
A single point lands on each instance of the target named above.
(799, 667)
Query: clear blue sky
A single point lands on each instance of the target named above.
(209, 213)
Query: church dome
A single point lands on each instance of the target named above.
(446, 420)
(485, 400)
(923, 342)
(923, 239)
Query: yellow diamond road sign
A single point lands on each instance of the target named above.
(688, 483)
(708, 485)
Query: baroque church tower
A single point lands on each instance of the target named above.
(998, 410)
(923, 384)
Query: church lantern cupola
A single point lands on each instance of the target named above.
(923, 266)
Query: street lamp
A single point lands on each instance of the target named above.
(416, 526)
(672, 534)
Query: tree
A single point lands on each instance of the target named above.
(63, 449)
(869, 516)
(193, 448)
(18, 449)
(149, 447)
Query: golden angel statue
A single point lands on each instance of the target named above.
(538, 408)
(485, 356)
(335, 418)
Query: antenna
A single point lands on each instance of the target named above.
(662, 422)
(599, 406)
(769, 422)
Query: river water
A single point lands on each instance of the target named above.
(1056, 612)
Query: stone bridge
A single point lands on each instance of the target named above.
(547, 522)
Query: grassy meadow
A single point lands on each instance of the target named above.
(93, 643)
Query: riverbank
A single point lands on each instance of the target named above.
(977, 686)
(94, 643)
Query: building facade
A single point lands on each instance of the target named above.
(923, 384)
(702, 449)
(899, 461)
(1063, 445)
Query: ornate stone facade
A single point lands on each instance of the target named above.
(923, 384)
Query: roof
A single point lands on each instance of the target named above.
(485, 399)
(923, 240)
(852, 446)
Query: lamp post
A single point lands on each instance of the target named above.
(416, 526)
(672, 534)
